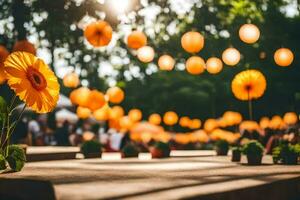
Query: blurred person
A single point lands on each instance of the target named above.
(62, 134)
(115, 140)
(34, 129)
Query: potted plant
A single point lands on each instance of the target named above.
(222, 147)
(287, 154)
(32, 81)
(160, 150)
(130, 150)
(236, 154)
(254, 152)
(91, 149)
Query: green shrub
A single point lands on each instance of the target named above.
(284, 152)
(253, 147)
(164, 147)
(2, 162)
(16, 157)
(222, 145)
(91, 147)
(130, 150)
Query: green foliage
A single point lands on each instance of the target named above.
(3, 109)
(236, 149)
(253, 147)
(2, 162)
(164, 147)
(130, 150)
(91, 147)
(284, 151)
(16, 157)
(222, 144)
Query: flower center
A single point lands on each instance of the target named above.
(248, 87)
(36, 79)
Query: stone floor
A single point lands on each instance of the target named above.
(180, 177)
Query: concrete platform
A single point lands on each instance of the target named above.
(206, 177)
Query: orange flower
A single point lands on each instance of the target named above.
(98, 33)
(24, 45)
(249, 84)
(3, 55)
(32, 80)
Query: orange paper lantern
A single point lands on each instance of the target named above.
(184, 121)
(290, 118)
(135, 115)
(210, 125)
(96, 100)
(166, 63)
(83, 113)
(231, 56)
(192, 42)
(71, 80)
(3, 55)
(283, 57)
(126, 123)
(102, 114)
(98, 33)
(136, 40)
(195, 65)
(214, 65)
(170, 118)
(195, 124)
(264, 122)
(115, 95)
(145, 54)
(116, 112)
(24, 45)
(154, 119)
(249, 33)
(80, 96)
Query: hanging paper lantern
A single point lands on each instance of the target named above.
(102, 114)
(195, 124)
(145, 54)
(135, 115)
(195, 65)
(116, 112)
(71, 80)
(136, 40)
(80, 96)
(126, 123)
(232, 118)
(98, 33)
(166, 63)
(184, 121)
(249, 33)
(3, 55)
(290, 118)
(249, 126)
(214, 65)
(115, 95)
(192, 42)
(210, 125)
(170, 118)
(115, 124)
(283, 57)
(277, 122)
(24, 45)
(264, 122)
(231, 56)
(249, 84)
(83, 113)
(96, 100)
(154, 119)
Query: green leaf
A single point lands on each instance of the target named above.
(3, 105)
(2, 162)
(16, 157)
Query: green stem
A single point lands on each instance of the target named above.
(12, 103)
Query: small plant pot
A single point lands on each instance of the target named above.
(222, 152)
(236, 156)
(157, 153)
(290, 160)
(92, 155)
(254, 159)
